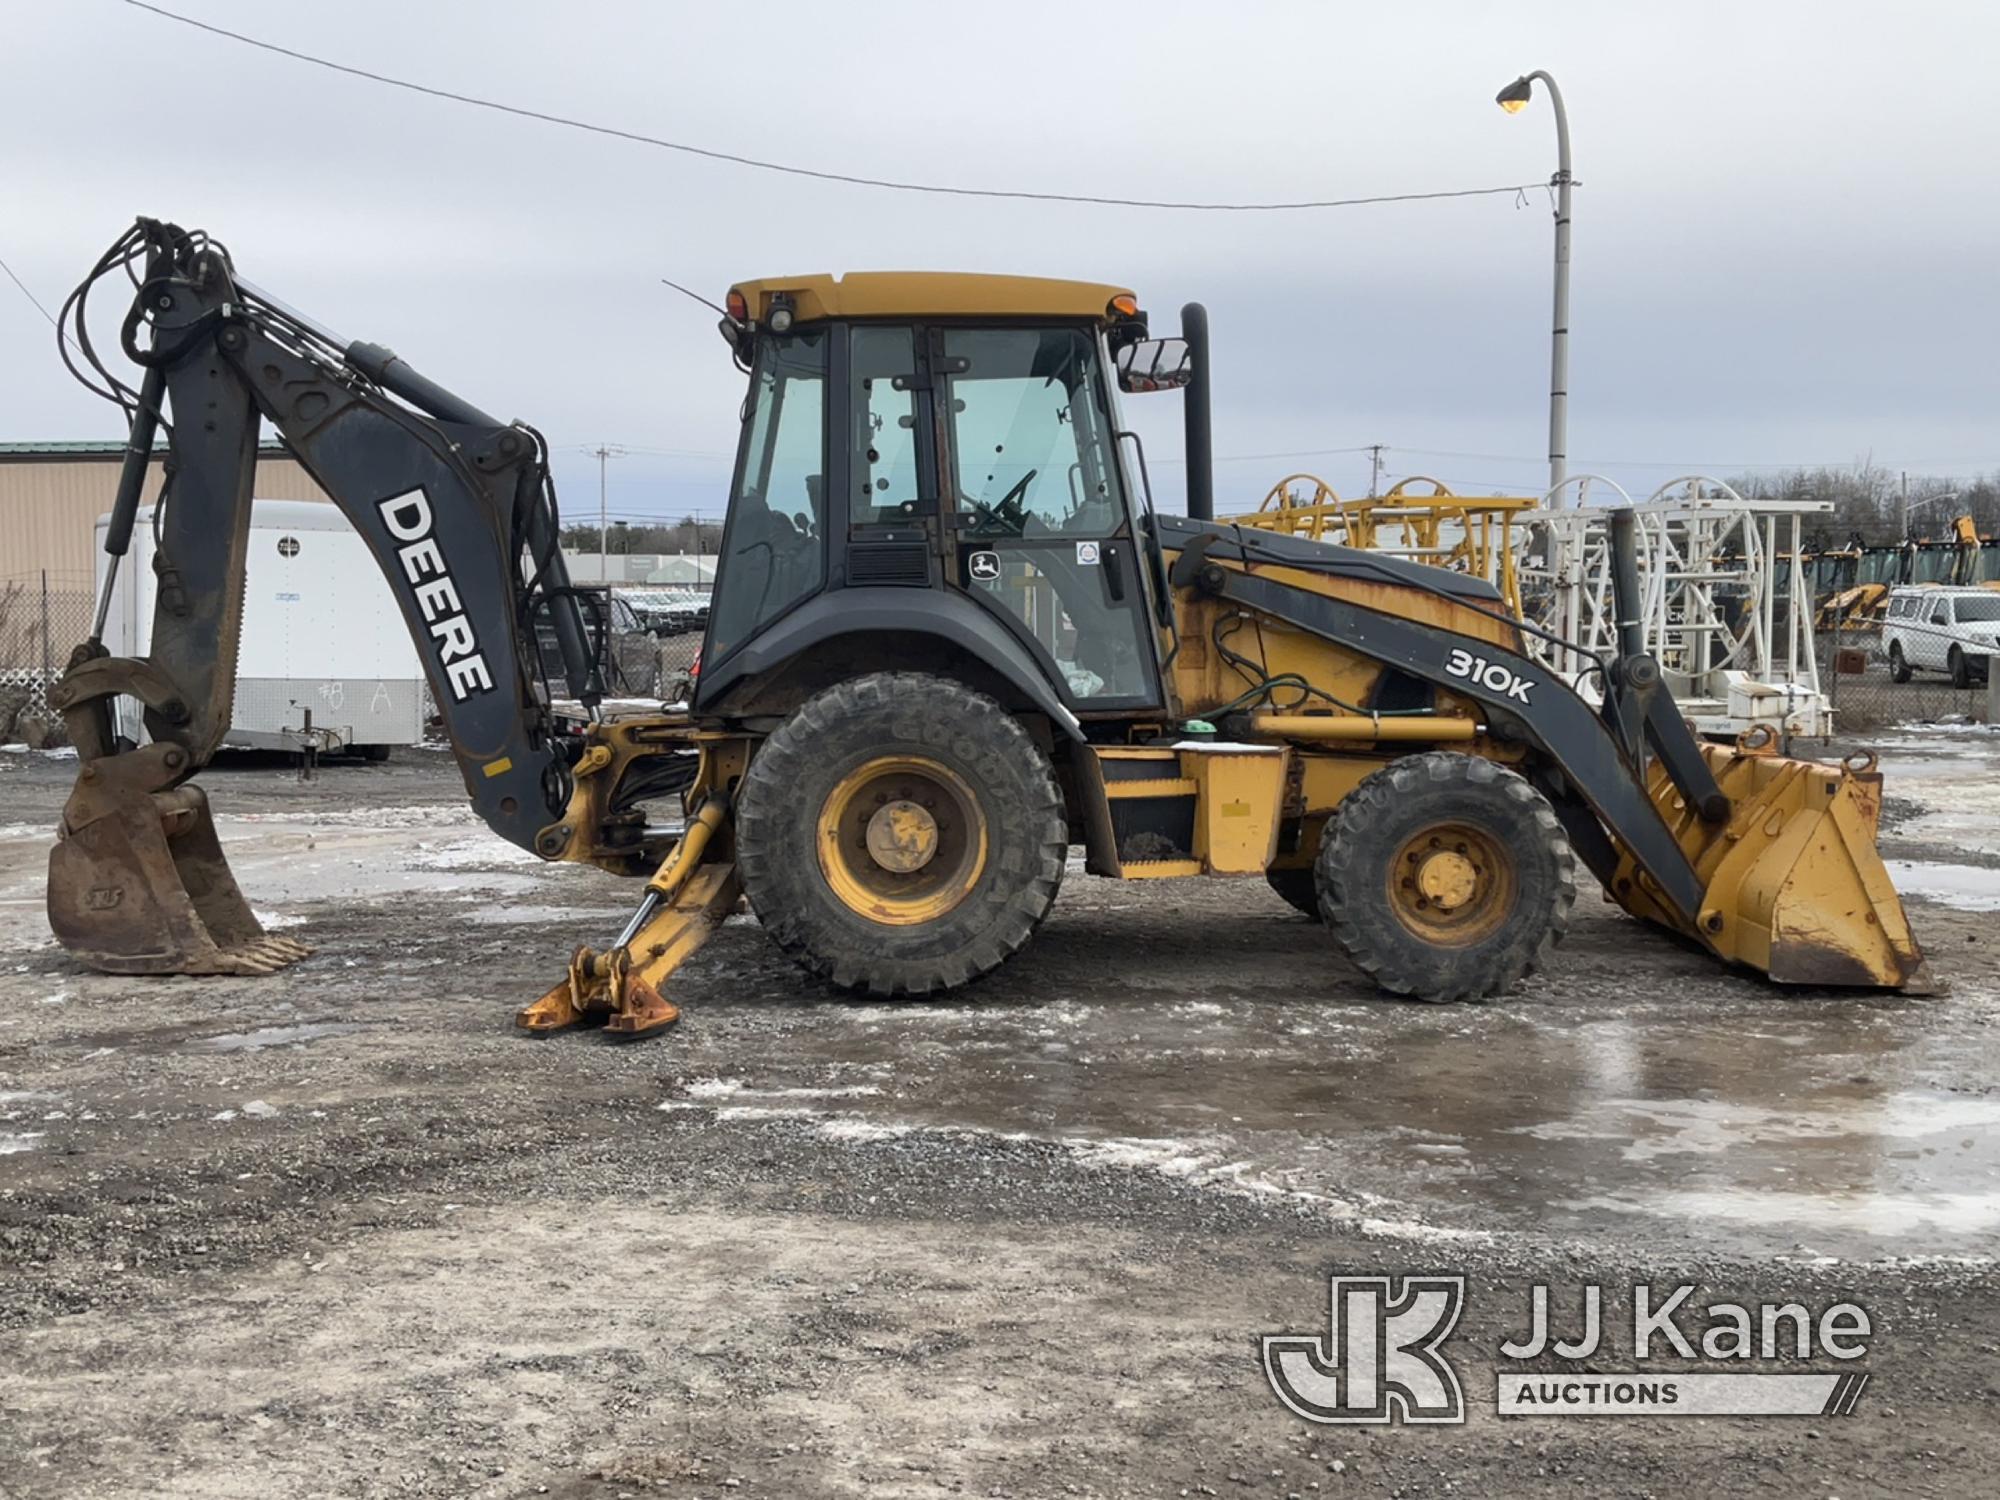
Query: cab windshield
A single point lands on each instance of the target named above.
(771, 555)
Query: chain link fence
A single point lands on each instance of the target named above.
(42, 617)
(674, 655)
(1859, 675)
(646, 654)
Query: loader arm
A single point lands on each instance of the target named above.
(456, 508)
(1762, 860)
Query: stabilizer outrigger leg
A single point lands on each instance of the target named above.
(694, 890)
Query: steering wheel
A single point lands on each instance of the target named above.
(1005, 514)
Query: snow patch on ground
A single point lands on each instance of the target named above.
(469, 854)
(763, 1112)
(275, 919)
(848, 1129)
(713, 1088)
(423, 815)
(1202, 1162)
(738, 1101)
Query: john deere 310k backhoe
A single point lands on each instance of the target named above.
(950, 639)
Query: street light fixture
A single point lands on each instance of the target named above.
(1514, 98)
(1911, 507)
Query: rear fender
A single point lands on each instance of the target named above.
(856, 630)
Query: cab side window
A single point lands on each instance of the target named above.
(1031, 441)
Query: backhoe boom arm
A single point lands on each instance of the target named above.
(453, 504)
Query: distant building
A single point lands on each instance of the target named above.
(587, 565)
(51, 495)
(693, 572)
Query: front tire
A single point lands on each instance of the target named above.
(1446, 877)
(1961, 669)
(900, 834)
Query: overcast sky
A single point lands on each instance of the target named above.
(1786, 237)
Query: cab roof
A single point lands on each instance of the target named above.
(937, 294)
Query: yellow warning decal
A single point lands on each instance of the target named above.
(498, 767)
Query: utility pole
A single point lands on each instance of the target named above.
(1906, 507)
(604, 452)
(1374, 470)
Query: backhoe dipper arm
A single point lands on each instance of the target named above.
(454, 505)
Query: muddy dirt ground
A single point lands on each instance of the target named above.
(342, 1232)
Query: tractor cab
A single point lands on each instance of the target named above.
(940, 454)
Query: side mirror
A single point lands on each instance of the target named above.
(1154, 365)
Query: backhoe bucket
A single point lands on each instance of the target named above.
(138, 884)
(1792, 884)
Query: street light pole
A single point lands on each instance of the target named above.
(1513, 99)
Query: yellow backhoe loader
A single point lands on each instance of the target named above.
(950, 640)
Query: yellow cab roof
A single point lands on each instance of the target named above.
(932, 294)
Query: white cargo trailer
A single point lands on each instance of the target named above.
(325, 657)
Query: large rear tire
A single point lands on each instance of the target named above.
(900, 834)
(1446, 877)
(1899, 664)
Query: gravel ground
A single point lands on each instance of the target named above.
(342, 1232)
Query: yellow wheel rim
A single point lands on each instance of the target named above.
(1452, 885)
(902, 840)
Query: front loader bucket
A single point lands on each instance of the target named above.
(138, 885)
(1791, 882)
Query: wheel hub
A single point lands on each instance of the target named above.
(902, 836)
(902, 840)
(1451, 884)
(1447, 879)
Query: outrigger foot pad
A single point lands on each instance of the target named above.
(685, 901)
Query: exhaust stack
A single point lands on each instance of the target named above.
(1200, 433)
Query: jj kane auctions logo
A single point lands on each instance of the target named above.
(1382, 1358)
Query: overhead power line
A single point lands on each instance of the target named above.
(853, 179)
(1690, 465)
(30, 295)
(37, 301)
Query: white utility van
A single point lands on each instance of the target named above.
(1938, 628)
(321, 632)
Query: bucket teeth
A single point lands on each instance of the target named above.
(266, 956)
